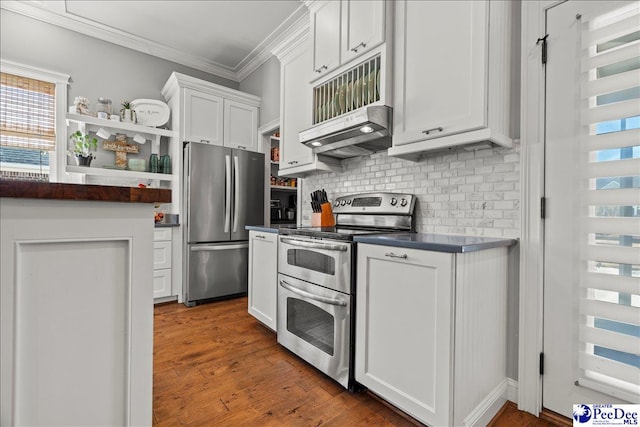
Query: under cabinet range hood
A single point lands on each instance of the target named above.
(362, 132)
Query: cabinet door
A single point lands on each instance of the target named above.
(440, 72)
(363, 26)
(325, 29)
(202, 117)
(240, 125)
(161, 255)
(404, 329)
(162, 283)
(263, 277)
(295, 107)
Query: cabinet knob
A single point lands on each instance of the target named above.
(392, 255)
(355, 49)
(428, 131)
(319, 70)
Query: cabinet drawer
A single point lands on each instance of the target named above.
(162, 283)
(160, 234)
(161, 255)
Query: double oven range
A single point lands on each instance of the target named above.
(317, 278)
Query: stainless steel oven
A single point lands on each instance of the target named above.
(326, 263)
(316, 279)
(314, 322)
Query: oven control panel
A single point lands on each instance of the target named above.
(375, 203)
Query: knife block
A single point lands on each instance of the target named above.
(326, 216)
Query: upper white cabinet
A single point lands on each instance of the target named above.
(325, 28)
(296, 159)
(344, 30)
(363, 27)
(452, 74)
(213, 114)
(202, 117)
(240, 124)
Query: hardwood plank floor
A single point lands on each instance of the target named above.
(215, 365)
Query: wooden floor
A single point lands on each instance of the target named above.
(215, 365)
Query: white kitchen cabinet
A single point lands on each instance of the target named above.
(240, 125)
(296, 159)
(343, 30)
(431, 331)
(452, 75)
(202, 117)
(162, 254)
(263, 277)
(325, 30)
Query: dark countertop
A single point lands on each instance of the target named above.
(436, 242)
(104, 193)
(274, 228)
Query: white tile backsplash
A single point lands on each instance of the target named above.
(460, 192)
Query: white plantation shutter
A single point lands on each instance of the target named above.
(609, 353)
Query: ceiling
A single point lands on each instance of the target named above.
(229, 38)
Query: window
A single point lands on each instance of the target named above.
(610, 282)
(32, 122)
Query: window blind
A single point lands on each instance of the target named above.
(609, 332)
(27, 113)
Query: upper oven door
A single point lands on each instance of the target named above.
(323, 262)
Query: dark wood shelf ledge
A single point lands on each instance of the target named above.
(104, 193)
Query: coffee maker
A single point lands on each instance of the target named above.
(276, 210)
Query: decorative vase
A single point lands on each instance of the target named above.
(128, 116)
(83, 160)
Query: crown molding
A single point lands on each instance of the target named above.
(58, 16)
(264, 51)
(295, 36)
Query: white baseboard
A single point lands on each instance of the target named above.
(512, 390)
(489, 407)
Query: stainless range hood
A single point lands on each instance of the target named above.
(359, 133)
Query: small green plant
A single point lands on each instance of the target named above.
(126, 105)
(83, 144)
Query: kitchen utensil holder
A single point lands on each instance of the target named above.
(324, 218)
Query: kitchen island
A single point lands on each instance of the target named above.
(76, 303)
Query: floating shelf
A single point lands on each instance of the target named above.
(284, 188)
(130, 127)
(118, 173)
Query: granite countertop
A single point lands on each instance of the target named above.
(436, 242)
(274, 228)
(60, 191)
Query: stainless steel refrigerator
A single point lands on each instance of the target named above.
(224, 191)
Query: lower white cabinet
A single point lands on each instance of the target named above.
(162, 262)
(431, 331)
(263, 277)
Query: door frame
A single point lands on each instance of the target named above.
(532, 134)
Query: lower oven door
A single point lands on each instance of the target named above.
(313, 322)
(325, 262)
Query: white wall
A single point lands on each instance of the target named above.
(97, 68)
(265, 82)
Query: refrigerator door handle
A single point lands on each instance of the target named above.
(201, 248)
(227, 201)
(236, 196)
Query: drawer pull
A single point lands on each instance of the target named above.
(258, 236)
(319, 70)
(242, 147)
(355, 49)
(392, 255)
(428, 131)
(295, 162)
(204, 140)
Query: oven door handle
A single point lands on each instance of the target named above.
(314, 245)
(332, 301)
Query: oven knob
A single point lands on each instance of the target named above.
(403, 202)
(393, 201)
(336, 203)
(342, 203)
(348, 201)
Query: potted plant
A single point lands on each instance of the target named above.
(127, 113)
(82, 146)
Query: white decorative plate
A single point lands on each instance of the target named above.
(150, 112)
